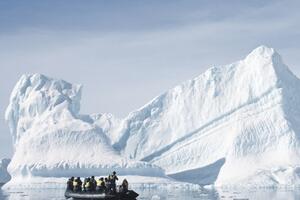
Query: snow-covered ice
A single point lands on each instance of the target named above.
(237, 124)
(52, 139)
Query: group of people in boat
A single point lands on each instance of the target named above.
(101, 185)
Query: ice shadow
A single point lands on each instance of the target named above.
(203, 176)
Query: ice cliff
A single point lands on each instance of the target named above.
(4, 175)
(233, 124)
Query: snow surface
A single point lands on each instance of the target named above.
(233, 125)
(4, 175)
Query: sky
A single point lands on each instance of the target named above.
(125, 53)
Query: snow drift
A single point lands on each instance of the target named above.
(4, 175)
(233, 124)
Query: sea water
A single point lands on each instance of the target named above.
(161, 194)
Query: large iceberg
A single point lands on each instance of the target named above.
(233, 124)
(51, 139)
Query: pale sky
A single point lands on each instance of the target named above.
(127, 52)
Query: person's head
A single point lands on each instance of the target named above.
(101, 178)
(78, 178)
(93, 177)
(114, 173)
(105, 179)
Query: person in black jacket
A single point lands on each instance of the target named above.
(93, 183)
(113, 179)
(83, 184)
(125, 185)
(88, 185)
(70, 183)
(77, 185)
(107, 185)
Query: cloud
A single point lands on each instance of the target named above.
(124, 56)
(107, 57)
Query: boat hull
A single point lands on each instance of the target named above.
(130, 195)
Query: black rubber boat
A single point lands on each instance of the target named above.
(129, 195)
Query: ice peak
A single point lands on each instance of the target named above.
(38, 76)
(36, 94)
(263, 53)
(267, 61)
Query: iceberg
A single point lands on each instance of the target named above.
(51, 138)
(233, 124)
(236, 124)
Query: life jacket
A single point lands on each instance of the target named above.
(99, 183)
(113, 179)
(70, 184)
(75, 183)
(87, 184)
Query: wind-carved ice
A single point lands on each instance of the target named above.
(237, 124)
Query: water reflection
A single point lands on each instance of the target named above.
(33, 194)
(167, 194)
(156, 194)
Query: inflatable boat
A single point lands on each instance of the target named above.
(129, 195)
